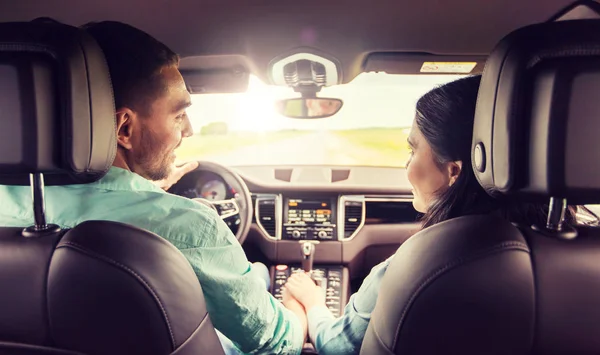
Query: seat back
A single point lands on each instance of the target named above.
(478, 284)
(100, 287)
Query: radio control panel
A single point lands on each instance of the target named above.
(309, 219)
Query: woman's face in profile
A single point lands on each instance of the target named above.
(423, 173)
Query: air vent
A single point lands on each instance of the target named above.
(390, 211)
(353, 217)
(266, 214)
(340, 175)
(284, 174)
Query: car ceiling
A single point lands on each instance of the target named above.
(252, 33)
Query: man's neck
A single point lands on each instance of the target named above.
(119, 162)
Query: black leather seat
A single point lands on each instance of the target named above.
(101, 287)
(478, 284)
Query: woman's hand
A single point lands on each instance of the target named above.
(303, 288)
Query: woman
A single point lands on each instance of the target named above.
(444, 187)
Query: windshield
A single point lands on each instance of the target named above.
(370, 129)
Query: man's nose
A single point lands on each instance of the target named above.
(187, 131)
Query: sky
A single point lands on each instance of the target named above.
(370, 100)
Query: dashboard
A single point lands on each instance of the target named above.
(337, 218)
(353, 220)
(351, 223)
(326, 205)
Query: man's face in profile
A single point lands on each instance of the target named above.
(161, 130)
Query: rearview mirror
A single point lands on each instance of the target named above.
(315, 107)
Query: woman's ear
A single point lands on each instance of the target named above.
(125, 122)
(454, 169)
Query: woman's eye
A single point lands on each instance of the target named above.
(411, 154)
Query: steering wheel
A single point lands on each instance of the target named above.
(239, 208)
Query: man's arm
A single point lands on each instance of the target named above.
(238, 304)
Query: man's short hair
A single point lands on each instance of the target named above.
(135, 60)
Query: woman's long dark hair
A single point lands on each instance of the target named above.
(445, 117)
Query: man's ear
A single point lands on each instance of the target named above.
(125, 123)
(454, 169)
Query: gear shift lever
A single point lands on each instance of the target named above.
(308, 256)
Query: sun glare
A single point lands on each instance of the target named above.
(252, 111)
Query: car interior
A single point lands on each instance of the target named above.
(300, 113)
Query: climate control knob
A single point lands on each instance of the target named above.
(322, 234)
(296, 234)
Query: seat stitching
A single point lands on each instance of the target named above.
(381, 340)
(450, 265)
(124, 267)
(204, 319)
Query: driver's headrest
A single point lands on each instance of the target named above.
(57, 114)
(537, 123)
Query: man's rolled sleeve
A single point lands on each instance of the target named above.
(236, 299)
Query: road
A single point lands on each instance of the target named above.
(320, 148)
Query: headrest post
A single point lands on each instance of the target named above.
(555, 226)
(39, 206)
(40, 228)
(556, 214)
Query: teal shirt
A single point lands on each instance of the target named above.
(238, 304)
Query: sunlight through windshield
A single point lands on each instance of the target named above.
(369, 130)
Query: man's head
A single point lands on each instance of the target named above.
(150, 97)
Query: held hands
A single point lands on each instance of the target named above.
(293, 305)
(303, 289)
(176, 174)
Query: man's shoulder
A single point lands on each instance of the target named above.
(184, 222)
(188, 223)
(182, 207)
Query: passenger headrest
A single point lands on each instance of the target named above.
(537, 123)
(57, 114)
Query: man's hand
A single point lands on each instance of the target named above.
(176, 174)
(303, 288)
(293, 305)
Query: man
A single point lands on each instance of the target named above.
(151, 101)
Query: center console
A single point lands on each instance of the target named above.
(309, 219)
(333, 279)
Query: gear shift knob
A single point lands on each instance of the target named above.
(308, 256)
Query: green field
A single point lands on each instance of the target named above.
(386, 146)
(197, 146)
